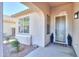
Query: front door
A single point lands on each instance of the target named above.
(13, 31)
(60, 29)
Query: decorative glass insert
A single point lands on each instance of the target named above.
(24, 25)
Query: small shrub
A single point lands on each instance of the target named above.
(16, 45)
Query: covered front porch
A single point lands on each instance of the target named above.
(45, 20)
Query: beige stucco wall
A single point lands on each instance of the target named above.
(59, 11)
(76, 30)
(64, 9)
(8, 24)
(36, 29)
(44, 7)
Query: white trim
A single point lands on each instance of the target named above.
(66, 27)
(22, 18)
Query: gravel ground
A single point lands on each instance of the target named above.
(9, 51)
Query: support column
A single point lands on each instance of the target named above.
(1, 18)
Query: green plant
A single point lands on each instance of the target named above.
(16, 45)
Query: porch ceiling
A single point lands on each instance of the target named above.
(55, 4)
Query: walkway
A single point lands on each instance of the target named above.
(52, 51)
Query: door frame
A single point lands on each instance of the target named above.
(66, 28)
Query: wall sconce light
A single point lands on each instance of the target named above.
(76, 15)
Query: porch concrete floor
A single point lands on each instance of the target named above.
(53, 51)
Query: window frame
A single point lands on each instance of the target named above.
(20, 19)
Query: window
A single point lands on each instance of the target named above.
(48, 24)
(24, 25)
